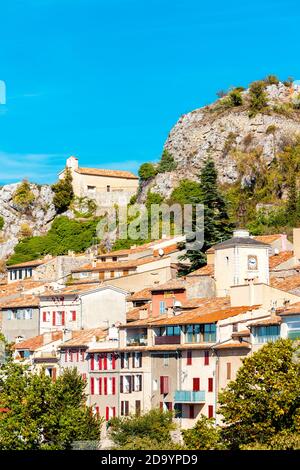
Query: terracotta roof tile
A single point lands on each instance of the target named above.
(192, 303)
(37, 341)
(275, 320)
(106, 172)
(22, 301)
(230, 345)
(293, 309)
(241, 333)
(173, 284)
(17, 287)
(144, 294)
(287, 284)
(207, 270)
(84, 337)
(36, 262)
(268, 238)
(114, 266)
(277, 260)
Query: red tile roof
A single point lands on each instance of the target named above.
(37, 341)
(282, 257)
(84, 337)
(114, 266)
(293, 309)
(144, 294)
(275, 320)
(287, 284)
(106, 172)
(36, 262)
(173, 284)
(207, 270)
(22, 301)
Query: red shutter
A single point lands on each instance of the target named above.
(113, 385)
(84, 377)
(206, 358)
(192, 412)
(92, 362)
(73, 315)
(164, 385)
(105, 385)
(97, 410)
(210, 385)
(114, 411)
(99, 361)
(100, 385)
(71, 356)
(92, 385)
(121, 383)
(210, 411)
(122, 360)
(82, 354)
(77, 355)
(105, 362)
(63, 318)
(189, 358)
(44, 316)
(53, 318)
(107, 413)
(66, 355)
(196, 384)
(113, 365)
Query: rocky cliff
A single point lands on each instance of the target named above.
(221, 131)
(35, 220)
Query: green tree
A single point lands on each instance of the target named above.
(1, 222)
(149, 431)
(203, 436)
(235, 98)
(167, 162)
(187, 192)
(146, 171)
(63, 192)
(217, 226)
(23, 196)
(43, 414)
(264, 400)
(258, 97)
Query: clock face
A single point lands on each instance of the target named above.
(252, 262)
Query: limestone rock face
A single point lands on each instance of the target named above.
(37, 217)
(219, 133)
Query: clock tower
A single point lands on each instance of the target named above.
(239, 260)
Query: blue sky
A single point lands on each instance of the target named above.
(105, 80)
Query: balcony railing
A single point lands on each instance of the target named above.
(167, 339)
(137, 341)
(186, 396)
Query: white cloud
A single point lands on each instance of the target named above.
(41, 168)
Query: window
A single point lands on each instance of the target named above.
(111, 386)
(210, 411)
(137, 359)
(125, 272)
(114, 258)
(170, 331)
(9, 315)
(92, 385)
(210, 384)
(193, 334)
(124, 408)
(138, 383)
(263, 334)
(191, 411)
(125, 383)
(72, 315)
(82, 355)
(162, 307)
(46, 316)
(125, 360)
(110, 412)
(164, 384)
(228, 370)
(108, 188)
(83, 376)
(206, 358)
(137, 407)
(178, 410)
(196, 384)
(189, 356)
(209, 334)
(294, 330)
(91, 189)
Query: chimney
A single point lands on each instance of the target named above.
(72, 162)
(94, 263)
(296, 242)
(283, 241)
(66, 334)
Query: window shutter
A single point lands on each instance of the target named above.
(140, 359)
(114, 411)
(92, 362)
(122, 360)
(196, 384)
(105, 385)
(74, 315)
(210, 385)
(53, 318)
(97, 410)
(113, 361)
(140, 384)
(121, 383)
(189, 358)
(133, 360)
(100, 385)
(105, 362)
(210, 411)
(71, 355)
(92, 385)
(84, 377)
(228, 365)
(206, 358)
(63, 318)
(113, 385)
(66, 355)
(99, 362)
(192, 412)
(126, 408)
(44, 316)
(77, 355)
(107, 413)
(132, 384)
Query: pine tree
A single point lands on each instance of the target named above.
(63, 192)
(217, 226)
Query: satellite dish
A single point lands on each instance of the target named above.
(161, 252)
(177, 304)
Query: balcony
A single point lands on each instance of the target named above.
(186, 396)
(137, 341)
(167, 340)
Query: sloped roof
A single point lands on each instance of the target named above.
(287, 284)
(173, 284)
(22, 301)
(84, 337)
(16, 287)
(243, 241)
(144, 294)
(34, 263)
(293, 309)
(114, 266)
(106, 172)
(282, 257)
(274, 320)
(37, 341)
(207, 270)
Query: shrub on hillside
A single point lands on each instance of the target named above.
(258, 98)
(146, 171)
(63, 192)
(1, 222)
(23, 196)
(167, 162)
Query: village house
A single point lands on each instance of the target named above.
(106, 187)
(82, 306)
(20, 317)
